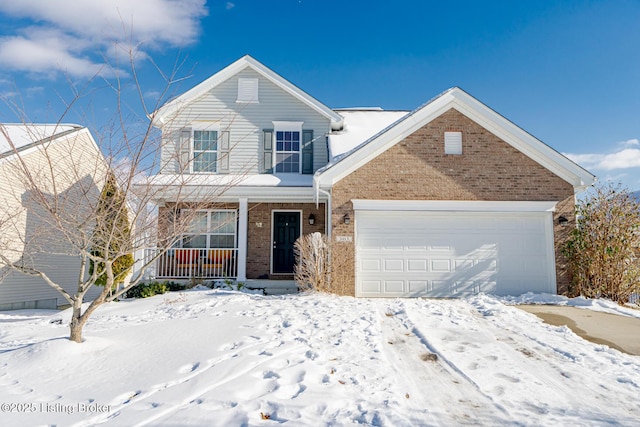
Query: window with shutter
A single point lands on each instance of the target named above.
(287, 147)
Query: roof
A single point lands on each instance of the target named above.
(161, 116)
(359, 125)
(22, 136)
(461, 101)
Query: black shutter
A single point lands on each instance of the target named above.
(307, 151)
(265, 152)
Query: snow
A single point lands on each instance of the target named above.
(21, 135)
(604, 306)
(233, 180)
(359, 126)
(220, 358)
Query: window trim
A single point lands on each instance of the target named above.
(286, 126)
(209, 233)
(200, 127)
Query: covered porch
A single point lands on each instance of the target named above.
(245, 233)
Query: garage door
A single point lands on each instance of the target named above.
(450, 254)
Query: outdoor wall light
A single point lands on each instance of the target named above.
(312, 219)
(346, 218)
(563, 221)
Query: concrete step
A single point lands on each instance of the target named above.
(273, 287)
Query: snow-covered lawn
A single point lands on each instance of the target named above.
(216, 358)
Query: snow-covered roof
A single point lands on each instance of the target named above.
(359, 126)
(21, 136)
(262, 187)
(464, 103)
(228, 180)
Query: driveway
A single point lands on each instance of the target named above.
(615, 331)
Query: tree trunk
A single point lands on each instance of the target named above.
(77, 322)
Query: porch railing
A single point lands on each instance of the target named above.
(194, 263)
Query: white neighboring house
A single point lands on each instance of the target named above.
(65, 160)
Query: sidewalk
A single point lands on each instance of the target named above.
(615, 331)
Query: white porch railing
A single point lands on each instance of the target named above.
(193, 263)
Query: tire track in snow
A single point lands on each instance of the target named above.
(498, 348)
(462, 403)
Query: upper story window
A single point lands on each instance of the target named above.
(247, 90)
(287, 151)
(205, 150)
(204, 147)
(453, 143)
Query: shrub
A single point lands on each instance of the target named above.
(602, 251)
(145, 290)
(175, 286)
(322, 265)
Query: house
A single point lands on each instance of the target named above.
(65, 162)
(445, 200)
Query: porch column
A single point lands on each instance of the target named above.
(243, 226)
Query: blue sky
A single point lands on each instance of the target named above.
(568, 72)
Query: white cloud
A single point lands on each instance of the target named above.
(230, 5)
(623, 159)
(71, 36)
(629, 143)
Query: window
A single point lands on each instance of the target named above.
(205, 150)
(287, 146)
(287, 151)
(247, 90)
(211, 230)
(453, 143)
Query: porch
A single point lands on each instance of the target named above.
(208, 265)
(184, 263)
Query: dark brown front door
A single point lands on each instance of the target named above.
(286, 230)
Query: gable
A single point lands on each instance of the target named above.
(469, 107)
(168, 111)
(244, 122)
(417, 168)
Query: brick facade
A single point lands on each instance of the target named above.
(489, 169)
(259, 234)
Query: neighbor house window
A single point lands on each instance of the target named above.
(453, 143)
(211, 229)
(247, 90)
(287, 146)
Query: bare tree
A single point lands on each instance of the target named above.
(57, 184)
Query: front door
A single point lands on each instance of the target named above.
(286, 230)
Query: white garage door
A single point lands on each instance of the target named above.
(449, 254)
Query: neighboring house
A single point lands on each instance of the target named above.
(64, 160)
(445, 200)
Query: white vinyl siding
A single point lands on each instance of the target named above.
(245, 122)
(71, 157)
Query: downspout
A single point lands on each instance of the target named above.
(328, 208)
(328, 211)
(328, 221)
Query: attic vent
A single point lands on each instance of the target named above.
(248, 90)
(453, 143)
